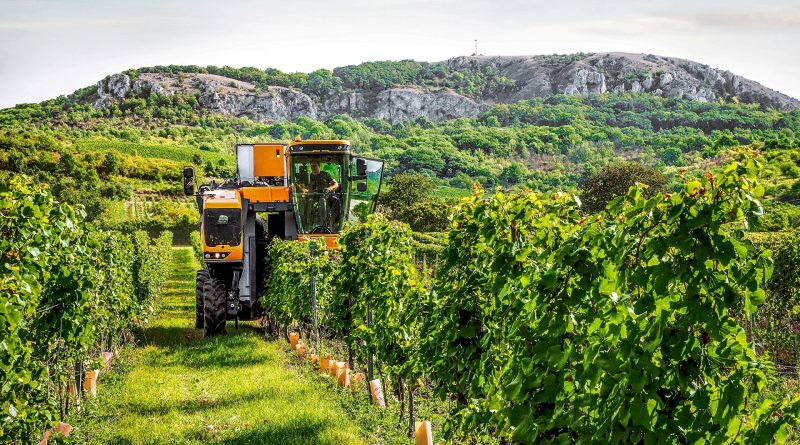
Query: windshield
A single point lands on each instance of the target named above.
(223, 227)
(320, 199)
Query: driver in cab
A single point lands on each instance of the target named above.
(318, 181)
(319, 208)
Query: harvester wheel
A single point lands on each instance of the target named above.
(214, 309)
(202, 277)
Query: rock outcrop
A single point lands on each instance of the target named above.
(400, 104)
(231, 97)
(242, 99)
(532, 76)
(581, 74)
(113, 87)
(347, 102)
(146, 87)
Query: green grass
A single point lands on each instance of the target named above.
(384, 426)
(177, 387)
(445, 191)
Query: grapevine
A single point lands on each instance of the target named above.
(65, 288)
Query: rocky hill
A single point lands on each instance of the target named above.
(436, 90)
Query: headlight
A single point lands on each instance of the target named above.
(217, 255)
(208, 255)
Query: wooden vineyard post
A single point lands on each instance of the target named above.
(411, 411)
(79, 385)
(370, 364)
(370, 361)
(313, 249)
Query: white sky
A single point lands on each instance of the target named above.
(53, 47)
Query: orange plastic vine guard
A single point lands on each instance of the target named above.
(301, 349)
(71, 389)
(356, 381)
(344, 378)
(323, 363)
(424, 435)
(90, 382)
(107, 356)
(45, 437)
(377, 393)
(333, 367)
(293, 338)
(63, 428)
(313, 358)
(340, 366)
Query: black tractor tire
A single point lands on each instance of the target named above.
(214, 307)
(202, 276)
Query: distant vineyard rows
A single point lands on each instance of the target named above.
(180, 153)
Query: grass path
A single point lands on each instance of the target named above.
(177, 387)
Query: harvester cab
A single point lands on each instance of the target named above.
(301, 191)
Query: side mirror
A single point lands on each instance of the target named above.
(188, 181)
(361, 167)
(361, 186)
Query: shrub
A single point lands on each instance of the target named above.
(615, 180)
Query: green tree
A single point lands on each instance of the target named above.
(410, 198)
(430, 215)
(615, 180)
(672, 156)
(514, 173)
(322, 82)
(111, 164)
(68, 164)
(404, 189)
(16, 161)
(420, 159)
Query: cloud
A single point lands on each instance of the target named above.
(636, 25)
(775, 19)
(731, 18)
(689, 22)
(88, 23)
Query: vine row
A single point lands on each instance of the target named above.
(67, 290)
(543, 323)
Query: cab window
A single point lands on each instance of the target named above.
(317, 182)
